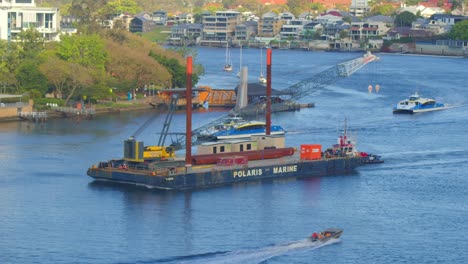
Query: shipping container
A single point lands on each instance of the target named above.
(311, 151)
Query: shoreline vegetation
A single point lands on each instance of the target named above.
(108, 107)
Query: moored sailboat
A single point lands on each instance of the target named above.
(261, 79)
(228, 64)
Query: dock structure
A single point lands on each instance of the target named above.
(72, 112)
(33, 116)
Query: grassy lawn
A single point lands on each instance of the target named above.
(158, 35)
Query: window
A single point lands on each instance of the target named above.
(214, 150)
(249, 146)
(221, 149)
(241, 147)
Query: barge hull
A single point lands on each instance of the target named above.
(218, 175)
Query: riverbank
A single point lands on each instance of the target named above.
(99, 110)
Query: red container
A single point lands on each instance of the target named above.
(251, 155)
(311, 151)
(229, 161)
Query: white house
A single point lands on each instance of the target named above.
(19, 15)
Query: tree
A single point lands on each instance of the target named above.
(87, 13)
(31, 41)
(134, 67)
(405, 19)
(317, 7)
(459, 31)
(29, 78)
(86, 57)
(175, 69)
(86, 50)
(79, 77)
(344, 34)
(385, 9)
(412, 2)
(113, 8)
(57, 72)
(460, 4)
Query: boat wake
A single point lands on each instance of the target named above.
(251, 256)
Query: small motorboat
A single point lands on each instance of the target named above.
(367, 158)
(417, 104)
(326, 235)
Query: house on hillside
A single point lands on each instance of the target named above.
(293, 29)
(142, 23)
(185, 34)
(160, 17)
(360, 31)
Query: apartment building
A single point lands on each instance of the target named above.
(220, 27)
(367, 30)
(293, 29)
(19, 15)
(269, 25)
(359, 8)
(246, 30)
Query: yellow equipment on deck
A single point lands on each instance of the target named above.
(156, 152)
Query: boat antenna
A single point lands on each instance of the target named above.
(345, 126)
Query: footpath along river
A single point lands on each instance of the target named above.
(411, 209)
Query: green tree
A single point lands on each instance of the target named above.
(175, 69)
(317, 7)
(348, 19)
(118, 7)
(459, 31)
(10, 55)
(405, 19)
(29, 78)
(317, 34)
(86, 50)
(86, 56)
(87, 13)
(31, 41)
(385, 9)
(412, 2)
(344, 34)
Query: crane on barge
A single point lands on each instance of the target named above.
(161, 151)
(300, 89)
(296, 91)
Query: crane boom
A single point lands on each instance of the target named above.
(327, 77)
(296, 91)
(168, 120)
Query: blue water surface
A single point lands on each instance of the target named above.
(411, 209)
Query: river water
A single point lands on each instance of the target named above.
(411, 209)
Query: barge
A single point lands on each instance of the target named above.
(262, 157)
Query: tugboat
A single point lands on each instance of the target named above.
(326, 235)
(227, 162)
(417, 104)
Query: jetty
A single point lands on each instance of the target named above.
(33, 116)
(72, 111)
